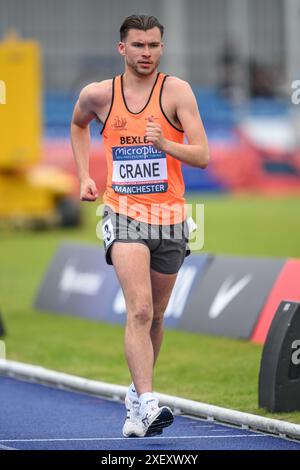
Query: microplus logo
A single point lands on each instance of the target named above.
(2, 92)
(136, 152)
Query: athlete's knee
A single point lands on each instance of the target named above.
(141, 315)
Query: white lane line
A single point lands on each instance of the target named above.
(206, 426)
(133, 438)
(221, 430)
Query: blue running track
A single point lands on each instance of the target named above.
(38, 417)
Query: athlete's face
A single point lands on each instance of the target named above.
(142, 50)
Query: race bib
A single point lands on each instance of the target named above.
(139, 169)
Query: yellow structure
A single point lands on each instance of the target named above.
(26, 190)
(21, 115)
(2, 92)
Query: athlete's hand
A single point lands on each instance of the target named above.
(154, 134)
(88, 190)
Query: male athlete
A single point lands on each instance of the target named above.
(145, 116)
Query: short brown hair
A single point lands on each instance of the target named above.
(142, 22)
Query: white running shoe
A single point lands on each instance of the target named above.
(133, 426)
(155, 418)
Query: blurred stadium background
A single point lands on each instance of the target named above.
(241, 58)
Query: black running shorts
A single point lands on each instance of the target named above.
(168, 244)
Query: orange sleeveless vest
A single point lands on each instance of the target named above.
(142, 182)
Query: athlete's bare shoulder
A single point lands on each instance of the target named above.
(177, 93)
(176, 86)
(96, 95)
(94, 101)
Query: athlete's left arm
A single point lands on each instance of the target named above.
(196, 151)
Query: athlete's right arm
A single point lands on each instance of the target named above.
(90, 101)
